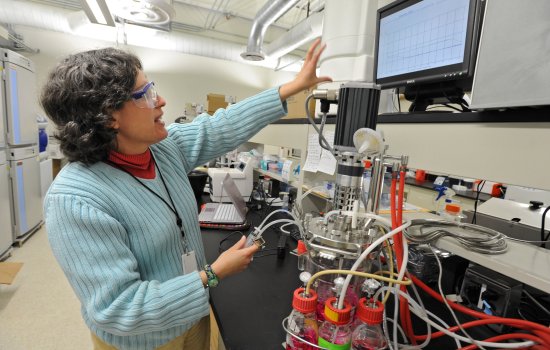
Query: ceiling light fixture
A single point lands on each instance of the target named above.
(155, 14)
(98, 12)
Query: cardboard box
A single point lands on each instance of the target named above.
(214, 102)
(8, 271)
(296, 105)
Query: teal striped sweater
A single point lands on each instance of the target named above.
(119, 245)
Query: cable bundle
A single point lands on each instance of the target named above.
(475, 238)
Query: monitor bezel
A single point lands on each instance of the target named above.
(454, 72)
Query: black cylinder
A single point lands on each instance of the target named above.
(357, 108)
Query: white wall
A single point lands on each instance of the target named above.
(511, 153)
(180, 78)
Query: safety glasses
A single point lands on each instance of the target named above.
(146, 97)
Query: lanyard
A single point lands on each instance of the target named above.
(172, 207)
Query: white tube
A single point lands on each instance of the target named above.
(366, 252)
(308, 192)
(423, 314)
(296, 221)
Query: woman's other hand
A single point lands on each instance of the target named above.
(307, 77)
(234, 260)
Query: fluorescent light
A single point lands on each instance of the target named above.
(98, 12)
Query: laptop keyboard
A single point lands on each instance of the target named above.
(225, 212)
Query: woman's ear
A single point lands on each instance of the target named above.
(115, 118)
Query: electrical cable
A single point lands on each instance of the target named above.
(542, 237)
(220, 249)
(479, 189)
(322, 140)
(536, 302)
(473, 237)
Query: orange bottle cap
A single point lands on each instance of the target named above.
(452, 208)
(335, 315)
(369, 313)
(304, 303)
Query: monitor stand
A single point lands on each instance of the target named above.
(423, 96)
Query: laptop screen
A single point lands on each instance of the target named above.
(235, 195)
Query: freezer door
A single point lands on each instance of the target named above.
(21, 105)
(6, 238)
(26, 195)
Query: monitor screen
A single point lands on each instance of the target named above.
(425, 41)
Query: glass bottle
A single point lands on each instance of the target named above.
(368, 334)
(302, 322)
(335, 331)
(452, 212)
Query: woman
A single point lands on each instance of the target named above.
(121, 215)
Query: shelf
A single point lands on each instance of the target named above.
(276, 176)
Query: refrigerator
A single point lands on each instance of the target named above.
(6, 236)
(19, 109)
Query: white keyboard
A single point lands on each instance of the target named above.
(225, 212)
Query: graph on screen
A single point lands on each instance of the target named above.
(429, 34)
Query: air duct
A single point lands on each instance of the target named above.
(268, 14)
(65, 21)
(302, 33)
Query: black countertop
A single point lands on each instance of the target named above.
(250, 306)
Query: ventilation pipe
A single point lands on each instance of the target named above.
(65, 21)
(268, 14)
(309, 29)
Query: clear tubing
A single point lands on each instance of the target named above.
(366, 252)
(260, 233)
(296, 221)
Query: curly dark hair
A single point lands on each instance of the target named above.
(81, 93)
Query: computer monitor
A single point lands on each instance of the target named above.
(427, 49)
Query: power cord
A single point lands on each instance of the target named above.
(479, 189)
(542, 237)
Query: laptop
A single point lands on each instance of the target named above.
(226, 213)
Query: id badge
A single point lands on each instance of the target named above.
(189, 262)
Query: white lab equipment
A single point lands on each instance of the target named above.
(6, 238)
(19, 117)
(20, 99)
(241, 175)
(520, 76)
(25, 190)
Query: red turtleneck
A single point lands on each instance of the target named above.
(139, 165)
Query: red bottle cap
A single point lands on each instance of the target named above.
(301, 249)
(335, 315)
(302, 303)
(369, 313)
(367, 164)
